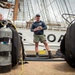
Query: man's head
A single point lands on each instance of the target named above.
(1, 17)
(37, 17)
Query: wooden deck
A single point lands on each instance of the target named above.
(43, 68)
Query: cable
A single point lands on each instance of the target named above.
(40, 9)
(28, 8)
(53, 12)
(67, 8)
(70, 6)
(47, 14)
(60, 11)
(62, 6)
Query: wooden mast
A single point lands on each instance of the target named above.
(15, 13)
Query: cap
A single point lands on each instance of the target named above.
(37, 15)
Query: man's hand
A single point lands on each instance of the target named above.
(40, 28)
(35, 29)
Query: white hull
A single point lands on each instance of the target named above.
(29, 45)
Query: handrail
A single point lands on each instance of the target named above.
(65, 14)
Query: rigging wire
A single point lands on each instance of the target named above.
(45, 10)
(47, 6)
(23, 10)
(8, 13)
(67, 9)
(70, 6)
(32, 9)
(53, 11)
(60, 11)
(58, 6)
(40, 9)
(28, 9)
(62, 6)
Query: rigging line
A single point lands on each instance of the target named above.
(48, 15)
(58, 7)
(63, 11)
(28, 8)
(67, 9)
(40, 9)
(62, 5)
(8, 13)
(31, 10)
(66, 6)
(45, 10)
(53, 12)
(19, 9)
(59, 10)
(32, 7)
(51, 3)
(23, 10)
(47, 6)
(70, 6)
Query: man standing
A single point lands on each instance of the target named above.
(38, 28)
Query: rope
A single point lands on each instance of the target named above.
(67, 8)
(70, 6)
(60, 12)
(40, 10)
(53, 12)
(28, 9)
(47, 15)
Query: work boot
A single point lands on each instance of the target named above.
(49, 54)
(37, 55)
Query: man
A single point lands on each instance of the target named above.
(38, 28)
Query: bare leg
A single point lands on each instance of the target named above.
(36, 47)
(46, 46)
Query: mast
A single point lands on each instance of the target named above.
(15, 13)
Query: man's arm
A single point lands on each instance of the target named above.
(32, 28)
(44, 26)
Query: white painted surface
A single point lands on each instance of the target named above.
(29, 45)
